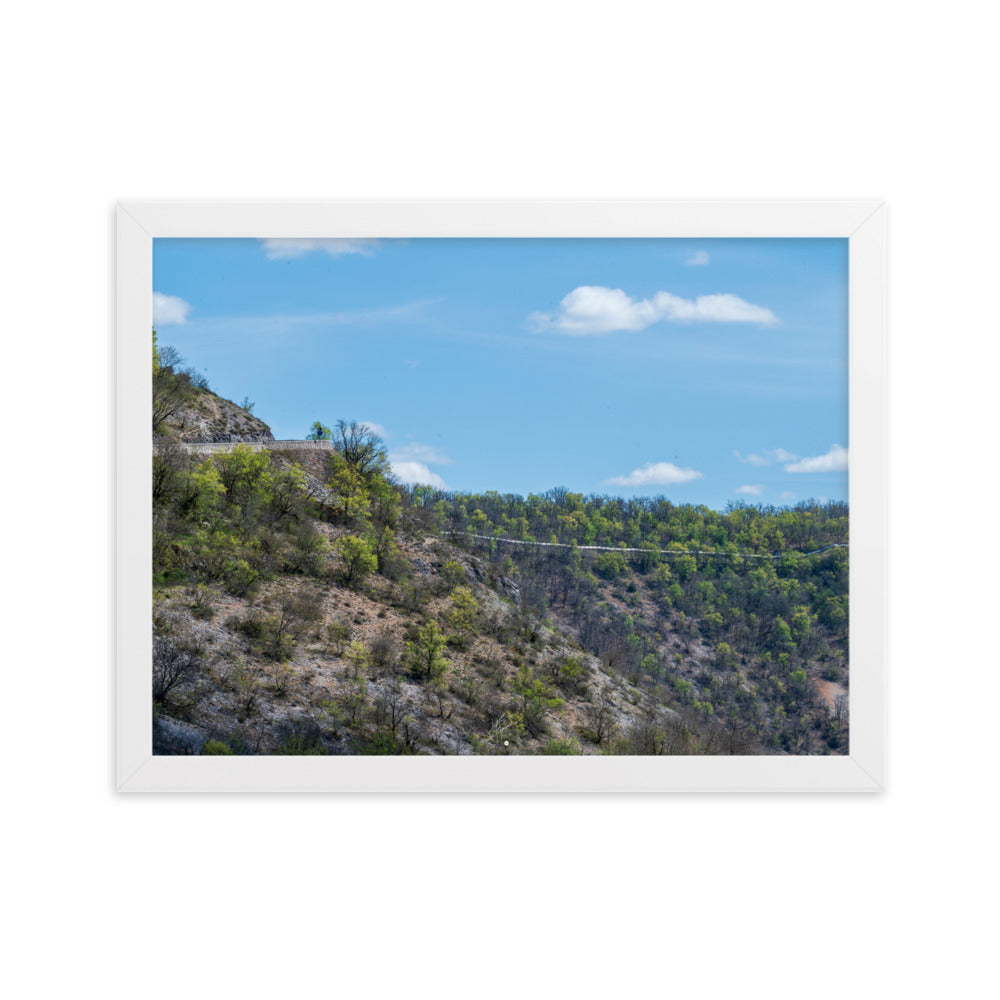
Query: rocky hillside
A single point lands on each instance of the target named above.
(185, 409)
(326, 668)
(208, 417)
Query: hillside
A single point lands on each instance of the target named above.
(186, 409)
(209, 417)
(304, 602)
(336, 678)
(716, 611)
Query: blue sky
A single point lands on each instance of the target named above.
(702, 370)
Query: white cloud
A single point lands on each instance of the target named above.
(420, 453)
(754, 491)
(377, 429)
(769, 456)
(169, 310)
(698, 259)
(787, 495)
(415, 473)
(655, 474)
(286, 249)
(409, 463)
(835, 460)
(593, 309)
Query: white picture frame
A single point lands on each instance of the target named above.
(862, 222)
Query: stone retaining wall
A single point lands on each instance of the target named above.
(213, 446)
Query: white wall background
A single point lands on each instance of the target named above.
(716, 896)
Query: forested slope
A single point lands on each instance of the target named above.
(366, 618)
(723, 611)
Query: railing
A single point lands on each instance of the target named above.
(665, 552)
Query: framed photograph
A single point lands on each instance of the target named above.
(501, 496)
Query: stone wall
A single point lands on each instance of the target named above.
(206, 447)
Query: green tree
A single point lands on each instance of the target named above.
(536, 697)
(801, 625)
(724, 656)
(461, 616)
(661, 577)
(610, 565)
(246, 475)
(361, 448)
(198, 491)
(385, 548)
(833, 612)
(685, 566)
(358, 657)
(453, 573)
(285, 494)
(423, 656)
(319, 432)
(782, 634)
(349, 497)
(384, 502)
(711, 624)
(173, 386)
(358, 559)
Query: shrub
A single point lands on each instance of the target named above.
(216, 748)
(173, 665)
(201, 603)
(276, 635)
(453, 574)
(382, 743)
(599, 718)
(267, 637)
(492, 669)
(506, 729)
(301, 745)
(308, 550)
(339, 632)
(384, 652)
(561, 748)
(240, 577)
(351, 706)
(412, 596)
(245, 680)
(280, 677)
(569, 673)
(391, 564)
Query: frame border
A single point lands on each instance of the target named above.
(862, 222)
